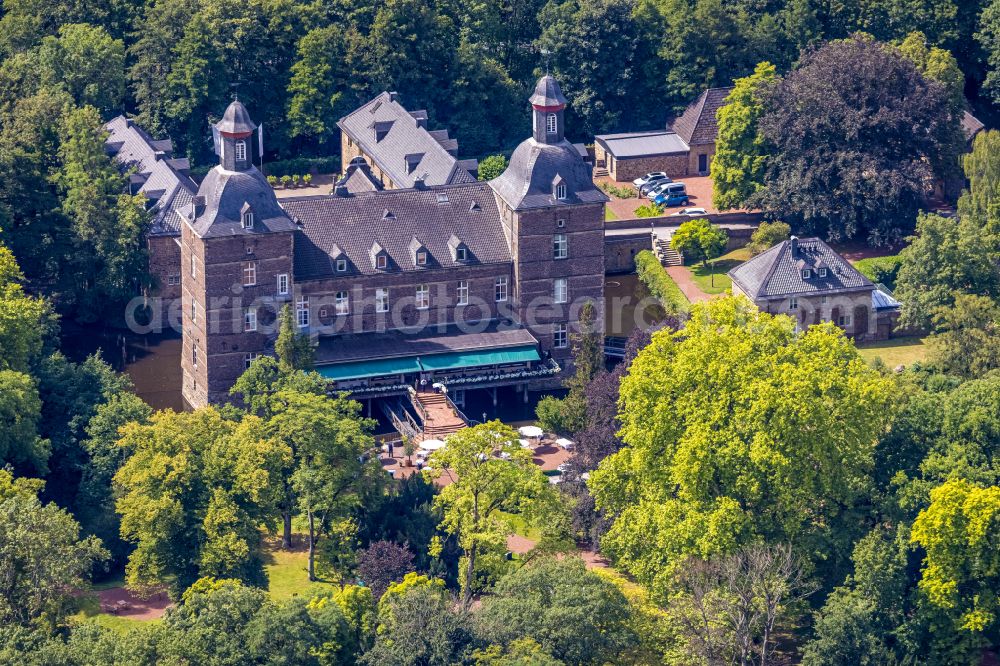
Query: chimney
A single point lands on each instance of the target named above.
(794, 240)
(393, 96)
(197, 205)
(418, 183)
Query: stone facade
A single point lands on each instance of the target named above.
(675, 166)
(349, 150)
(700, 159)
(851, 311)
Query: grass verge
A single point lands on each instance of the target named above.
(895, 352)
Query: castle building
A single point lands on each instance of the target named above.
(461, 283)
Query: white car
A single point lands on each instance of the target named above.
(690, 212)
(649, 178)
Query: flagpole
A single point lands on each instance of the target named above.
(260, 145)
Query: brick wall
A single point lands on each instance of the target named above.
(349, 150)
(675, 166)
(812, 310)
(696, 151)
(536, 269)
(443, 291)
(620, 251)
(165, 269)
(216, 326)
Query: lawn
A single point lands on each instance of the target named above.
(895, 352)
(521, 528)
(609, 214)
(286, 571)
(703, 275)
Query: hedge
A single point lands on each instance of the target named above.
(881, 269)
(652, 274)
(302, 166)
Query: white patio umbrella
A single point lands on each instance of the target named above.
(531, 431)
(525, 444)
(431, 444)
(565, 443)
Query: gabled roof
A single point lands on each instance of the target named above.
(404, 137)
(642, 144)
(971, 126)
(777, 272)
(359, 226)
(697, 125)
(155, 172)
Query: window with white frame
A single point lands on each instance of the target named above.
(844, 320)
(283, 284)
(341, 304)
(241, 150)
(248, 224)
(560, 246)
(501, 289)
(560, 339)
(381, 262)
(463, 293)
(250, 320)
(302, 311)
(560, 290)
(461, 254)
(173, 280)
(194, 266)
(822, 272)
(194, 311)
(249, 273)
(806, 273)
(341, 265)
(561, 191)
(423, 297)
(194, 356)
(248, 360)
(551, 123)
(793, 303)
(421, 258)
(381, 300)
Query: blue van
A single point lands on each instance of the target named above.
(674, 194)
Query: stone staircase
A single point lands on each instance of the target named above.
(667, 255)
(600, 171)
(439, 418)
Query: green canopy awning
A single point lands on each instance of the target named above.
(473, 359)
(373, 368)
(428, 363)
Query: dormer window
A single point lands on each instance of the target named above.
(461, 254)
(806, 273)
(341, 265)
(248, 220)
(421, 258)
(822, 272)
(561, 191)
(241, 151)
(551, 123)
(381, 262)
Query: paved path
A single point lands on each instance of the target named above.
(682, 276)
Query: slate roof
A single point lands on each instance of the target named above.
(396, 343)
(392, 219)
(528, 180)
(236, 120)
(884, 300)
(403, 136)
(697, 125)
(162, 178)
(547, 93)
(971, 126)
(642, 144)
(226, 193)
(777, 272)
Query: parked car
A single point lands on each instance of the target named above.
(657, 188)
(648, 178)
(668, 200)
(656, 182)
(690, 212)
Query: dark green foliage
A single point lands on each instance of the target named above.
(839, 170)
(882, 270)
(660, 285)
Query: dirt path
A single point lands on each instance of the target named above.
(682, 276)
(120, 602)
